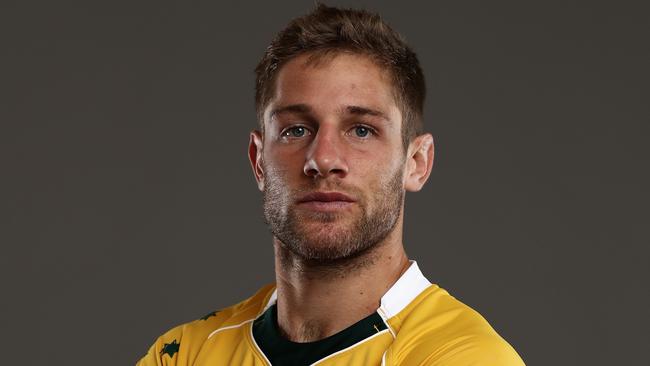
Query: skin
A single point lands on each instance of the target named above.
(326, 146)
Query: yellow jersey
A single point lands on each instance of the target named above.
(417, 323)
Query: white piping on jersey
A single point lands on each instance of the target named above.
(348, 348)
(384, 318)
(258, 347)
(230, 327)
(383, 358)
(271, 301)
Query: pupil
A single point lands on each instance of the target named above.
(298, 131)
(362, 131)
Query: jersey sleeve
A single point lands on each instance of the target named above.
(165, 350)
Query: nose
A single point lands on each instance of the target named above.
(325, 155)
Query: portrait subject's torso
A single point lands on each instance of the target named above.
(418, 323)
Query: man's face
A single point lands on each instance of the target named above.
(332, 157)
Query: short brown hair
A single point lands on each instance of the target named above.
(328, 30)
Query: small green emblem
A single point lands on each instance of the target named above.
(206, 316)
(170, 348)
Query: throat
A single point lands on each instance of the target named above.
(309, 331)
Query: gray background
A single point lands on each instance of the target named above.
(128, 206)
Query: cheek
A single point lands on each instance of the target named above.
(283, 155)
(383, 178)
(281, 173)
(377, 165)
(280, 161)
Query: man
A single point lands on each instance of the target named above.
(339, 99)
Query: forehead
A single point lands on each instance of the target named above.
(334, 82)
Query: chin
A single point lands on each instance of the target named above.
(327, 244)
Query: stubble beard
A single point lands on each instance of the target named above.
(329, 237)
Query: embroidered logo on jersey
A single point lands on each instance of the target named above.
(170, 348)
(208, 315)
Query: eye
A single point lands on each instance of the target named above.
(362, 131)
(295, 131)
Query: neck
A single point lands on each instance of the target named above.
(316, 300)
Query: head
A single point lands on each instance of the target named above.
(327, 32)
(339, 98)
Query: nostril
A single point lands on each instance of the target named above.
(310, 172)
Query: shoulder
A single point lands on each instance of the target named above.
(478, 350)
(437, 329)
(181, 344)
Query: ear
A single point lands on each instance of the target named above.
(255, 156)
(419, 161)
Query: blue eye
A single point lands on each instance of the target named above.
(296, 131)
(361, 131)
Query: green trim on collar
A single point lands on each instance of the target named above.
(283, 352)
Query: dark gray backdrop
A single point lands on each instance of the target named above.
(128, 206)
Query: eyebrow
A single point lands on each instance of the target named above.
(305, 109)
(363, 111)
(293, 108)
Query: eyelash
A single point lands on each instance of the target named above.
(285, 133)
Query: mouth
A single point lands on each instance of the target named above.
(326, 201)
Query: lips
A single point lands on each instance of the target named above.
(325, 197)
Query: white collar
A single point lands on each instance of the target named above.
(410, 284)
